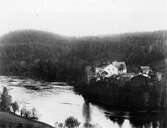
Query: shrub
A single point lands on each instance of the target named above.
(15, 107)
(71, 122)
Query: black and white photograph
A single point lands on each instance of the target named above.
(83, 63)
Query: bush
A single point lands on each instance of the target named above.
(71, 122)
(15, 107)
(34, 114)
(59, 125)
(30, 114)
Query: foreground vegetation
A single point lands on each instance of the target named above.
(72, 122)
(53, 57)
(10, 120)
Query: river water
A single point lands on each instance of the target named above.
(55, 103)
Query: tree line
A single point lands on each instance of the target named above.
(52, 57)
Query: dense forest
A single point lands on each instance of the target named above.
(53, 57)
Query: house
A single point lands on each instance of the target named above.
(106, 72)
(121, 66)
(111, 70)
(145, 70)
(100, 73)
(115, 68)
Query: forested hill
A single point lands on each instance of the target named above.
(50, 56)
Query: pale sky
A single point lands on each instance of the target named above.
(83, 17)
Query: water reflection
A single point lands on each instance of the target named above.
(121, 119)
(141, 119)
(86, 111)
(148, 120)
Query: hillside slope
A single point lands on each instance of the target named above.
(50, 57)
(14, 121)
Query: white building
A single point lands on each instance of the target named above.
(111, 70)
(121, 66)
(115, 68)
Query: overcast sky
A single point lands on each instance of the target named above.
(83, 17)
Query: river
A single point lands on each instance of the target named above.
(55, 103)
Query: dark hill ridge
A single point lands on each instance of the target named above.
(27, 36)
(50, 56)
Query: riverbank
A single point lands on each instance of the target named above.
(140, 94)
(11, 120)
